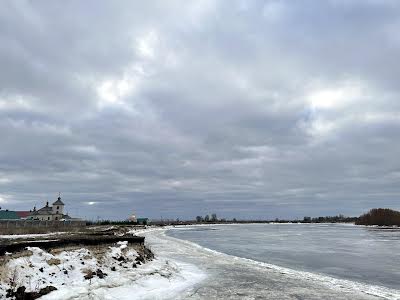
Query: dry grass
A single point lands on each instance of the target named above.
(4, 272)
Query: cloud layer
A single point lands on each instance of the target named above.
(250, 109)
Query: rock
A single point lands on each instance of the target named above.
(20, 294)
(134, 265)
(89, 275)
(53, 261)
(47, 290)
(10, 293)
(65, 272)
(32, 295)
(113, 268)
(121, 258)
(140, 258)
(148, 254)
(41, 269)
(100, 274)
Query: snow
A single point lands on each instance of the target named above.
(148, 229)
(158, 279)
(24, 236)
(155, 280)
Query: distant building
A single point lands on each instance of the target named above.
(23, 215)
(132, 218)
(143, 221)
(50, 213)
(8, 215)
(14, 215)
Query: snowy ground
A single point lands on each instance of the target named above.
(66, 270)
(24, 236)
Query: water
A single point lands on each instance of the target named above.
(285, 261)
(369, 255)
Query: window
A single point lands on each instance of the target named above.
(48, 218)
(56, 218)
(58, 207)
(57, 212)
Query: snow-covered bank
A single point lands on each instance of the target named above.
(181, 270)
(100, 272)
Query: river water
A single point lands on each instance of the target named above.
(286, 261)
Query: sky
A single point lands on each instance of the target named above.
(173, 109)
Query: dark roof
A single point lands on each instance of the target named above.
(58, 202)
(47, 210)
(8, 215)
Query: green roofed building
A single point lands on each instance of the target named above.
(53, 212)
(9, 215)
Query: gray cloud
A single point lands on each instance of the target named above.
(251, 109)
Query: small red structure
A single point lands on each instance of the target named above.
(23, 214)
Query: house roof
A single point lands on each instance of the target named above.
(58, 202)
(8, 215)
(23, 214)
(47, 210)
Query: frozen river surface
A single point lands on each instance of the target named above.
(286, 261)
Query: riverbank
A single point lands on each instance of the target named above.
(32, 266)
(181, 269)
(118, 270)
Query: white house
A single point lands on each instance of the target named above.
(132, 218)
(50, 213)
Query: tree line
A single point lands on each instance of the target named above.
(380, 217)
(207, 218)
(330, 219)
(376, 216)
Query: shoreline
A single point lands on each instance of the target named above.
(108, 271)
(183, 269)
(339, 286)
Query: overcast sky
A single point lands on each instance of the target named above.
(249, 109)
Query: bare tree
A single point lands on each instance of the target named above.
(214, 218)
